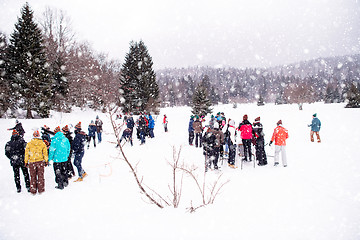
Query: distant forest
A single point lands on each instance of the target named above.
(322, 79)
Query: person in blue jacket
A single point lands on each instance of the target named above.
(151, 126)
(58, 153)
(191, 130)
(91, 135)
(315, 128)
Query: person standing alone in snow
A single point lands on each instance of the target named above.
(165, 123)
(279, 136)
(98, 124)
(15, 151)
(315, 128)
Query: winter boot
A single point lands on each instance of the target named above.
(84, 175)
(79, 179)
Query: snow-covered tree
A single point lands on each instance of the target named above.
(27, 66)
(140, 91)
(4, 86)
(353, 96)
(201, 103)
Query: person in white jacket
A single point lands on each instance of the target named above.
(230, 135)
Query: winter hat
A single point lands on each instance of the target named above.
(36, 134)
(65, 129)
(57, 129)
(78, 126)
(197, 117)
(14, 132)
(97, 117)
(279, 122)
(216, 125)
(245, 117)
(46, 127)
(314, 115)
(257, 119)
(16, 121)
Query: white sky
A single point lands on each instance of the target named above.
(239, 33)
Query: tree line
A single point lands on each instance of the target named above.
(43, 68)
(330, 80)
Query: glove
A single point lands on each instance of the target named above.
(270, 143)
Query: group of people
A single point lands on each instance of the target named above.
(35, 155)
(221, 137)
(144, 125)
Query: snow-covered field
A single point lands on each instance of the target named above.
(316, 197)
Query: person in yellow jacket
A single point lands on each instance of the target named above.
(36, 158)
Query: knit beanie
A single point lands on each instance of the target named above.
(36, 134)
(66, 128)
(245, 117)
(14, 132)
(78, 126)
(57, 129)
(257, 119)
(314, 115)
(279, 122)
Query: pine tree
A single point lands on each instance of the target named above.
(4, 85)
(60, 86)
(201, 102)
(27, 66)
(353, 97)
(139, 88)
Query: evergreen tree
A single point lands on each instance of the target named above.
(353, 97)
(201, 102)
(329, 96)
(27, 67)
(139, 88)
(60, 86)
(4, 86)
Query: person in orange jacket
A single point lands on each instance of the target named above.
(279, 136)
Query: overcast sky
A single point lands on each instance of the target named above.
(238, 33)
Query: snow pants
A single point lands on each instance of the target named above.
(281, 149)
(16, 169)
(260, 152)
(191, 137)
(232, 154)
(312, 136)
(37, 180)
(247, 149)
(198, 139)
(61, 177)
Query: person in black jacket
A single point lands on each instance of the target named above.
(259, 142)
(68, 165)
(19, 128)
(209, 142)
(15, 151)
(78, 147)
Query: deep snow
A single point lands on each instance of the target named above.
(316, 197)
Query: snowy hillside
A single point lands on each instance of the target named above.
(316, 197)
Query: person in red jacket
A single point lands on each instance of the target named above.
(279, 136)
(245, 128)
(165, 123)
